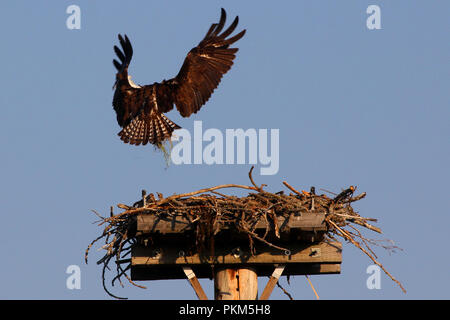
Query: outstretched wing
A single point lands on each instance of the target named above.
(124, 57)
(123, 104)
(204, 67)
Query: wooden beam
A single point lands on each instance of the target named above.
(149, 223)
(194, 283)
(323, 252)
(272, 282)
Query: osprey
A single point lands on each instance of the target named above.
(140, 109)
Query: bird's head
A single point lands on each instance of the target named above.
(132, 84)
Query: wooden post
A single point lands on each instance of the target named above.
(235, 284)
(192, 278)
(272, 282)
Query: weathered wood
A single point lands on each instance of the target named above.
(236, 284)
(272, 282)
(194, 283)
(299, 253)
(164, 263)
(226, 285)
(148, 223)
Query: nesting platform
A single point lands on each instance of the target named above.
(203, 233)
(167, 243)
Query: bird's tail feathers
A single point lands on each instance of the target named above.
(154, 128)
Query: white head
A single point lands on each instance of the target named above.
(132, 84)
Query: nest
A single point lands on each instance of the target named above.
(211, 211)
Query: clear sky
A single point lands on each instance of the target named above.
(354, 107)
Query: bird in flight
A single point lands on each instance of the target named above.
(140, 109)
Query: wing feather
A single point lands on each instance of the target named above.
(119, 54)
(220, 25)
(204, 67)
(230, 29)
(124, 104)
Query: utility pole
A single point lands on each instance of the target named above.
(235, 284)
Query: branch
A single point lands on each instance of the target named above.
(345, 235)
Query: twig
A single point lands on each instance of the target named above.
(355, 217)
(349, 238)
(310, 283)
(284, 290)
(260, 189)
(292, 188)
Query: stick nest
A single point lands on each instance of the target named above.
(210, 211)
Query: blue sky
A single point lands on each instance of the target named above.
(353, 106)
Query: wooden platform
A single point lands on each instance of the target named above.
(166, 261)
(172, 240)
